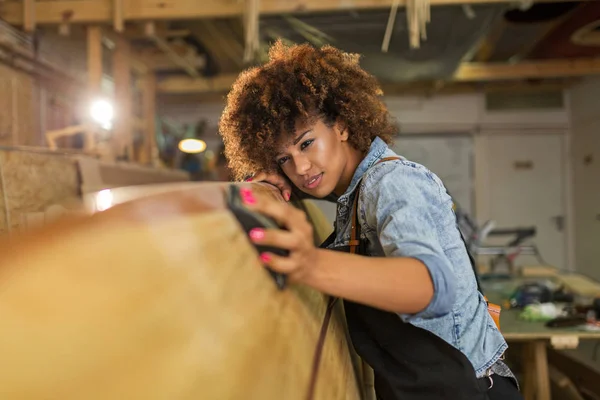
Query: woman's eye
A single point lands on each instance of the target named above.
(306, 144)
(282, 160)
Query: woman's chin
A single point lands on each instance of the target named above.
(319, 193)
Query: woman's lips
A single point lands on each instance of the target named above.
(314, 181)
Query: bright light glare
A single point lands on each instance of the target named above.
(102, 112)
(192, 145)
(104, 200)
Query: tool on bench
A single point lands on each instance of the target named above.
(250, 220)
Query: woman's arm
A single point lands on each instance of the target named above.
(286, 188)
(397, 284)
(414, 279)
(403, 204)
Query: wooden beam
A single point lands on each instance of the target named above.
(94, 73)
(588, 35)
(467, 72)
(181, 85)
(101, 11)
(137, 31)
(251, 25)
(172, 91)
(172, 54)
(149, 150)
(137, 63)
(472, 72)
(94, 59)
(220, 41)
(487, 44)
(29, 15)
(415, 89)
(160, 61)
(118, 22)
(122, 133)
(451, 88)
(583, 374)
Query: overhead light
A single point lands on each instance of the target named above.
(102, 112)
(192, 145)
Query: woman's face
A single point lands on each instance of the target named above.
(318, 159)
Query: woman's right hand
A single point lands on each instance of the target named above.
(274, 179)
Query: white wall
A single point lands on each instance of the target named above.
(466, 113)
(584, 102)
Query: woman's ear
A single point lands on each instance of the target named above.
(341, 130)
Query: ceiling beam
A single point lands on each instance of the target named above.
(487, 44)
(161, 62)
(182, 85)
(480, 72)
(466, 72)
(170, 52)
(407, 89)
(220, 41)
(102, 11)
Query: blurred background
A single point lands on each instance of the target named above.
(500, 98)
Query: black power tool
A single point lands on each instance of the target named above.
(250, 220)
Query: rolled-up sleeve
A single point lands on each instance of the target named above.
(402, 202)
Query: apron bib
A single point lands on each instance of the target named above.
(409, 363)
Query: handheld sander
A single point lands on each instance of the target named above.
(249, 220)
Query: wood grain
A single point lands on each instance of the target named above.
(161, 297)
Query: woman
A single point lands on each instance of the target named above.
(311, 121)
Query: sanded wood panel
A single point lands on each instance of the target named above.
(160, 298)
(30, 182)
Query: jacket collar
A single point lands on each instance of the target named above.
(378, 147)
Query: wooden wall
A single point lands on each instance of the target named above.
(32, 182)
(18, 108)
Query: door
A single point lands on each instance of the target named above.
(450, 157)
(525, 183)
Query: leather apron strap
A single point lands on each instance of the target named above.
(354, 244)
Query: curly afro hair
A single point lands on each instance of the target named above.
(297, 85)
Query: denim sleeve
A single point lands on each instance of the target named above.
(402, 201)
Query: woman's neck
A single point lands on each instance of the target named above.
(354, 158)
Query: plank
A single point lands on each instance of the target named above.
(101, 11)
(580, 284)
(472, 72)
(161, 296)
(122, 136)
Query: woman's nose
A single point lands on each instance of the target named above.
(302, 164)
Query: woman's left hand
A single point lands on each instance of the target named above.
(297, 239)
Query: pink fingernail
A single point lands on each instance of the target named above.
(257, 233)
(247, 196)
(287, 197)
(264, 257)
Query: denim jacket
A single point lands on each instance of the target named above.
(405, 211)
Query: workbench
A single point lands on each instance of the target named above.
(535, 336)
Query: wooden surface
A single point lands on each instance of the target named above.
(30, 182)
(34, 179)
(513, 328)
(535, 336)
(158, 298)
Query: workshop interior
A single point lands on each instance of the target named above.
(125, 268)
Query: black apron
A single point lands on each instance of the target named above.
(409, 362)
